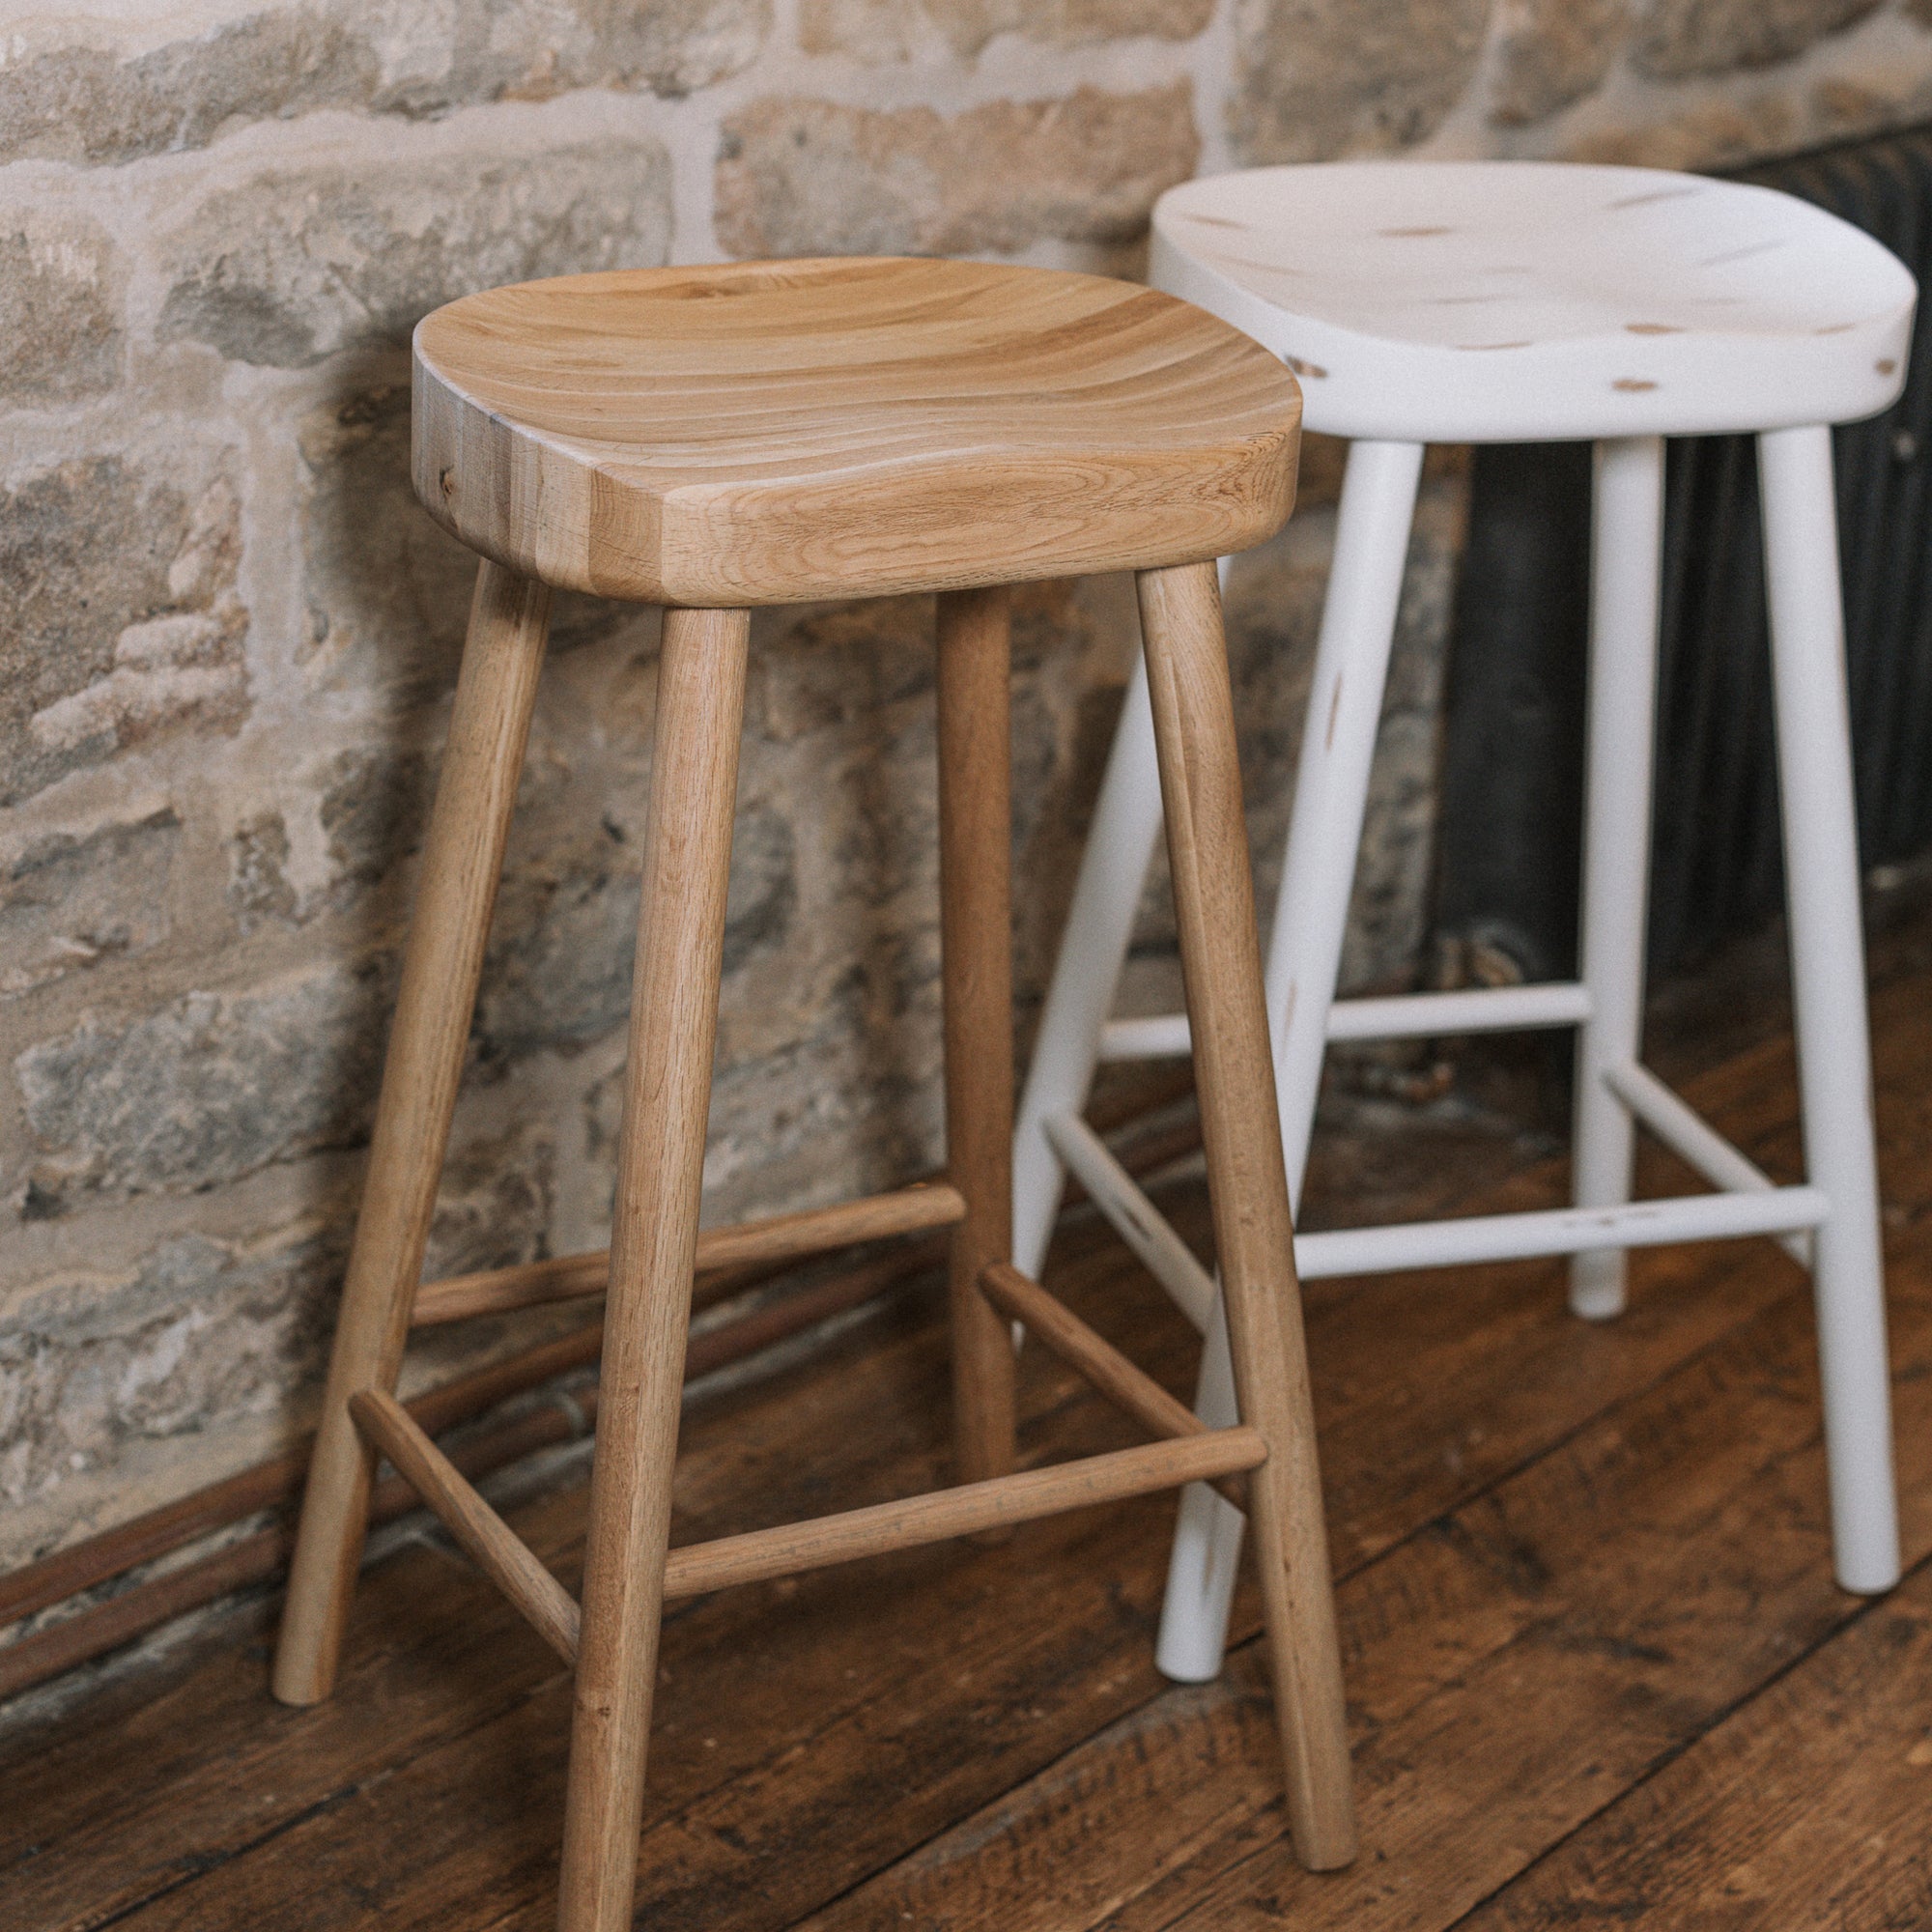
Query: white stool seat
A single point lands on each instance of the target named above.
(1501, 301)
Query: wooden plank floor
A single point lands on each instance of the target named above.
(1598, 1670)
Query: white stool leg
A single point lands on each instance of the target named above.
(1627, 547)
(1820, 867)
(1332, 781)
(1311, 917)
(1099, 923)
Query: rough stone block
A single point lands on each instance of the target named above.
(370, 805)
(200, 1333)
(1551, 52)
(863, 1078)
(868, 30)
(88, 102)
(969, 24)
(185, 665)
(862, 1085)
(763, 894)
(558, 970)
(259, 889)
(387, 591)
(1707, 134)
(894, 30)
(202, 1090)
(79, 99)
(1681, 37)
(493, 1206)
(118, 616)
(1319, 78)
(373, 805)
(60, 314)
(68, 902)
(835, 664)
(296, 264)
(802, 177)
(139, 1382)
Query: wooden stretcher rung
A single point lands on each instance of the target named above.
(788, 1548)
(1108, 1372)
(497, 1549)
(997, 1503)
(496, 1290)
(907, 1211)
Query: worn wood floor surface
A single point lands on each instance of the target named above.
(1598, 1670)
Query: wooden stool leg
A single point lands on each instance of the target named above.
(463, 857)
(653, 1247)
(976, 941)
(1207, 848)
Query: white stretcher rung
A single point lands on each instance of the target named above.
(1419, 1244)
(1696, 1142)
(1132, 1216)
(1400, 1016)
(1555, 1231)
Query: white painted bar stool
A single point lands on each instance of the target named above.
(1518, 302)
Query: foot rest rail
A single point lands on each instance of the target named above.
(1392, 1016)
(997, 1503)
(1752, 1205)
(762, 1555)
(1555, 1231)
(496, 1549)
(1695, 1141)
(907, 1211)
(1107, 1371)
(1132, 1216)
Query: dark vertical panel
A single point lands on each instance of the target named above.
(1513, 704)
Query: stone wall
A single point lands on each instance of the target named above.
(228, 638)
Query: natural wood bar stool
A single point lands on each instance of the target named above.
(711, 440)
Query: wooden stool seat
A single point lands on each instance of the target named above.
(719, 438)
(771, 433)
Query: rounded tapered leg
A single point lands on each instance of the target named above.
(1205, 1563)
(463, 857)
(1099, 923)
(976, 953)
(1331, 778)
(1626, 548)
(653, 1248)
(1311, 918)
(1207, 846)
(1821, 865)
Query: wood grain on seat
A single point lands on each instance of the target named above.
(767, 432)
